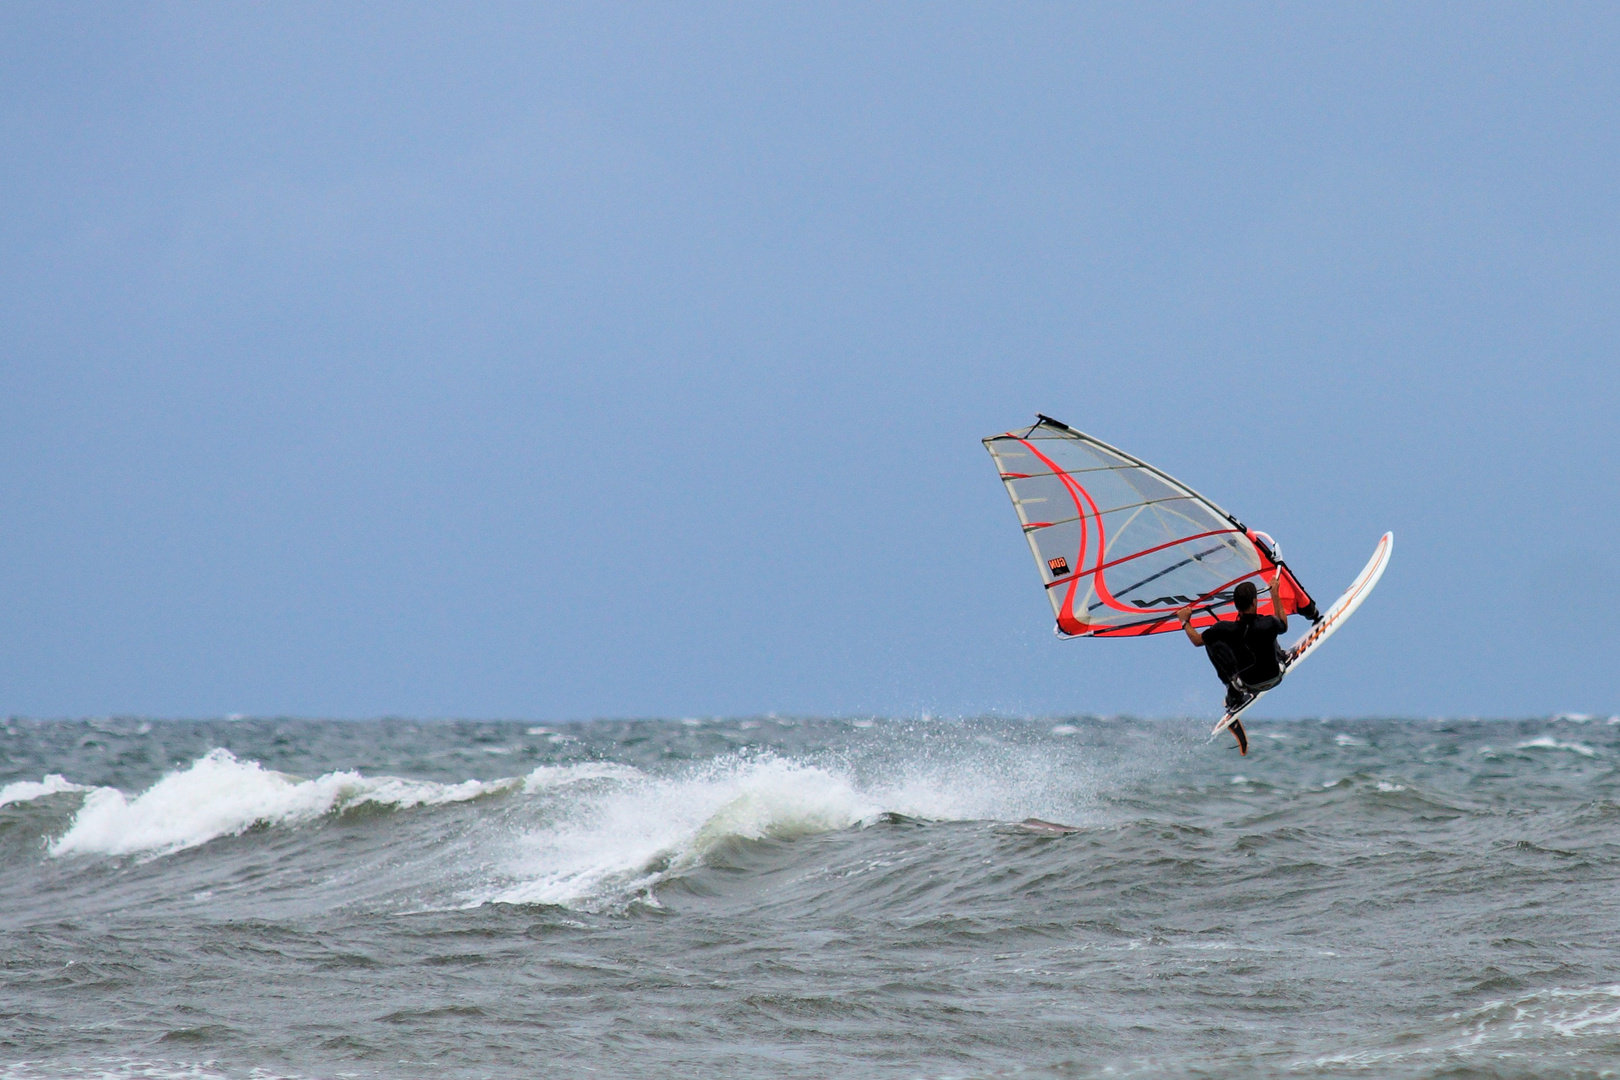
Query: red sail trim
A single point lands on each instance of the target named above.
(1066, 619)
(1153, 625)
(1290, 589)
(1203, 598)
(1293, 593)
(1086, 549)
(1262, 601)
(1161, 623)
(1144, 551)
(1165, 623)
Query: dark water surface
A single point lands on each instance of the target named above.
(810, 898)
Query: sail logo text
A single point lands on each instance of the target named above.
(1165, 601)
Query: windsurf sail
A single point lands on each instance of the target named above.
(1121, 546)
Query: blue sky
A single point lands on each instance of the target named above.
(573, 361)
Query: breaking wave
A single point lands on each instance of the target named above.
(221, 796)
(624, 840)
(621, 841)
(22, 791)
(1547, 742)
(595, 835)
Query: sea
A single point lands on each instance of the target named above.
(801, 897)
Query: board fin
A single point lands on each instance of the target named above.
(1236, 728)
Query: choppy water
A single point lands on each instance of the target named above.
(808, 898)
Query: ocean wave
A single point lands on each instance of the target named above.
(550, 777)
(1556, 1012)
(1547, 742)
(595, 835)
(1525, 1027)
(21, 791)
(617, 843)
(219, 795)
(626, 839)
(133, 1069)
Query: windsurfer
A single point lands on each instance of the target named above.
(1244, 650)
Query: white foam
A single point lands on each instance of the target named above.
(546, 777)
(623, 840)
(27, 790)
(221, 796)
(1547, 742)
(614, 840)
(602, 833)
(402, 794)
(1569, 1013)
(1501, 1029)
(129, 1070)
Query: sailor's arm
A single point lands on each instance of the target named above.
(1276, 596)
(1185, 615)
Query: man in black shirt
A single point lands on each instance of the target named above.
(1244, 650)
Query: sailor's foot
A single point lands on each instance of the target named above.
(1236, 695)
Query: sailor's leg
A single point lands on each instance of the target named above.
(1225, 661)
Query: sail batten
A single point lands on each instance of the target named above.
(1134, 544)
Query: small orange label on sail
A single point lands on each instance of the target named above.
(1059, 566)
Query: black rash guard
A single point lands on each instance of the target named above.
(1253, 641)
